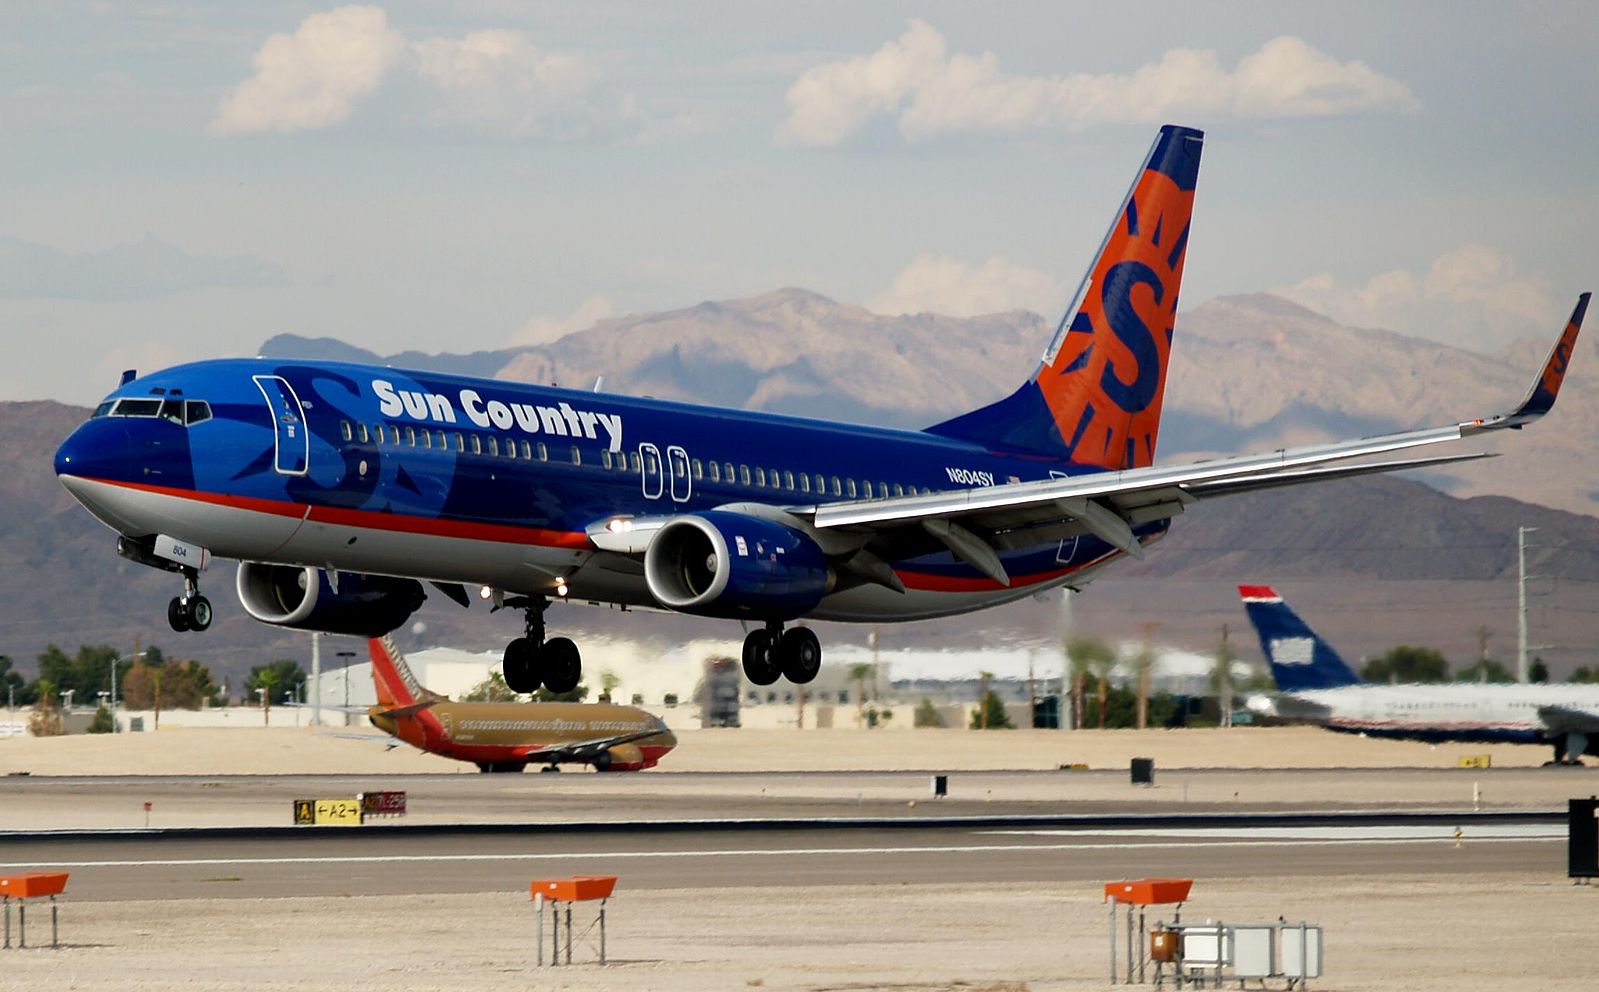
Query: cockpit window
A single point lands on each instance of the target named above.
(172, 410)
(137, 408)
(103, 409)
(195, 411)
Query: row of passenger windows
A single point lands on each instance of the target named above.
(493, 446)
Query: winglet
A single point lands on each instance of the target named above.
(1541, 398)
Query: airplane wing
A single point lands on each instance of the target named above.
(1566, 720)
(389, 743)
(584, 750)
(976, 524)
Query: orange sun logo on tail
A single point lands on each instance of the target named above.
(1105, 376)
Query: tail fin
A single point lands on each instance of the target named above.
(1096, 397)
(396, 685)
(1299, 658)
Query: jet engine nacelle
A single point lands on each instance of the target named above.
(304, 599)
(722, 564)
(619, 758)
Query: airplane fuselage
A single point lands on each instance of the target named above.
(375, 470)
(1463, 712)
(500, 735)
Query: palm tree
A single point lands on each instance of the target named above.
(268, 680)
(1086, 656)
(859, 673)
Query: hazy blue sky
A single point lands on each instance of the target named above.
(184, 180)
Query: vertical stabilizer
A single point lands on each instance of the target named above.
(1299, 658)
(392, 677)
(1096, 397)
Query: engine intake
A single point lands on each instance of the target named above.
(302, 598)
(724, 564)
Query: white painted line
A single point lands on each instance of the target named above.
(753, 853)
(1481, 831)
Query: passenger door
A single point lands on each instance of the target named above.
(292, 455)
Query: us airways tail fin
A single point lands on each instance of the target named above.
(396, 685)
(1096, 397)
(1299, 658)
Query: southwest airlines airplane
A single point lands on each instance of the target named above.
(341, 488)
(1318, 687)
(507, 737)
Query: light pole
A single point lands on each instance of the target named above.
(345, 657)
(128, 658)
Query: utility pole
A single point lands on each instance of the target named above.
(316, 678)
(1521, 603)
(1225, 677)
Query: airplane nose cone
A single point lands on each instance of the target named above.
(99, 449)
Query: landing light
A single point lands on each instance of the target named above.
(560, 587)
(485, 592)
(620, 525)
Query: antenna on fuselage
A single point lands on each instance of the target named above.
(128, 375)
(599, 383)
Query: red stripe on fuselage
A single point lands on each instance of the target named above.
(372, 519)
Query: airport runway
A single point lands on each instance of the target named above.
(371, 862)
(40, 803)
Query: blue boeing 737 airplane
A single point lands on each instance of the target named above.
(342, 488)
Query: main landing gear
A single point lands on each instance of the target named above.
(770, 651)
(190, 611)
(532, 661)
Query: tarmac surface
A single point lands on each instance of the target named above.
(385, 863)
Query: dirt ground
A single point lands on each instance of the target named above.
(1487, 932)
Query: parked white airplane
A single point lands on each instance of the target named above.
(1316, 686)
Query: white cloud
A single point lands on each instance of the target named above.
(543, 330)
(944, 285)
(499, 78)
(1472, 297)
(933, 92)
(314, 77)
(494, 80)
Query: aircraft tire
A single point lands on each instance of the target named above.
(799, 653)
(560, 664)
(518, 667)
(198, 613)
(759, 665)
(177, 616)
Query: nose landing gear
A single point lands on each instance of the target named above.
(771, 651)
(191, 611)
(531, 661)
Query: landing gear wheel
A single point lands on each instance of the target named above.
(759, 665)
(799, 654)
(518, 667)
(199, 611)
(561, 664)
(177, 616)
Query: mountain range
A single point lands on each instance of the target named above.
(1373, 561)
